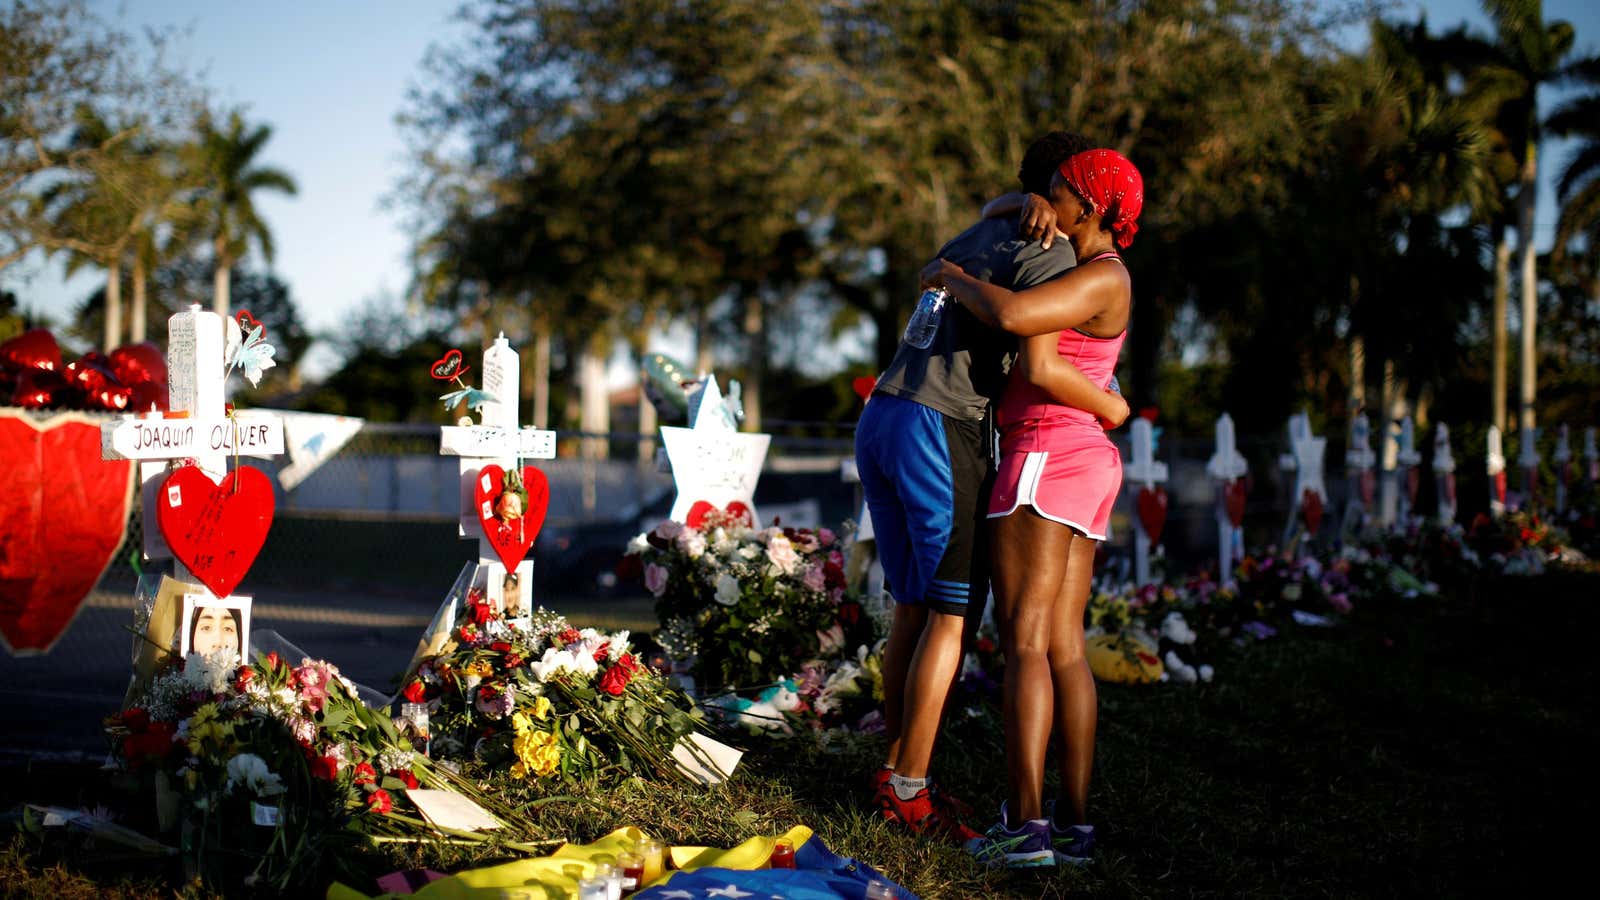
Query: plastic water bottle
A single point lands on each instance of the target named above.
(924, 322)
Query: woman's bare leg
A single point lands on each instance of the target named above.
(1030, 565)
(1076, 703)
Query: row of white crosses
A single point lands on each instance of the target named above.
(1528, 461)
(196, 344)
(496, 440)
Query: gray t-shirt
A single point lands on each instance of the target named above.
(964, 369)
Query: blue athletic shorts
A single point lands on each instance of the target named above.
(926, 476)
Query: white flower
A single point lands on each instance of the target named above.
(753, 551)
(209, 673)
(250, 771)
(668, 530)
(692, 543)
(555, 662)
(727, 589)
(638, 545)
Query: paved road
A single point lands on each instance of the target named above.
(52, 705)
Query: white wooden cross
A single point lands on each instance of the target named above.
(1528, 461)
(1591, 454)
(712, 460)
(1563, 460)
(1496, 466)
(1305, 460)
(1401, 483)
(1225, 467)
(1359, 461)
(1444, 473)
(497, 440)
(195, 428)
(1143, 472)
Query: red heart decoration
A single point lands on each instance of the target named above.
(246, 321)
(1153, 511)
(1233, 497)
(1311, 510)
(448, 367)
(1499, 486)
(863, 386)
(216, 529)
(511, 540)
(35, 348)
(62, 515)
(700, 509)
(1450, 487)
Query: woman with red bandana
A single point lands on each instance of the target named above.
(1059, 475)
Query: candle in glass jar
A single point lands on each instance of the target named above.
(654, 853)
(594, 889)
(632, 866)
(782, 854)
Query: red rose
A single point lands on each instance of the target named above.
(365, 773)
(601, 651)
(274, 660)
(136, 719)
(570, 636)
(514, 661)
(325, 767)
(380, 802)
(406, 778)
(416, 691)
(833, 574)
(155, 741)
(614, 681)
(627, 663)
(500, 647)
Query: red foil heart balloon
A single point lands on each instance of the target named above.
(1153, 511)
(510, 537)
(35, 348)
(147, 396)
(1234, 494)
(63, 511)
(40, 389)
(1311, 510)
(91, 373)
(216, 529)
(135, 364)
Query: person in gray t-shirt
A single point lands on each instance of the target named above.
(922, 449)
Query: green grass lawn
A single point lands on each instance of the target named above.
(1432, 751)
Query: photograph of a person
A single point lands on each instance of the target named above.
(213, 625)
(510, 590)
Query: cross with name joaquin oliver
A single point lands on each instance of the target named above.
(497, 440)
(196, 427)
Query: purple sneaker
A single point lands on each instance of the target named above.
(1074, 844)
(1026, 846)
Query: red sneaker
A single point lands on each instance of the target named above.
(878, 779)
(924, 814)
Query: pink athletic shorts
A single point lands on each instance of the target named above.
(1067, 473)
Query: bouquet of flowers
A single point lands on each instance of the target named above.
(270, 765)
(549, 701)
(743, 606)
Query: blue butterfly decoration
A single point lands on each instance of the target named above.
(252, 355)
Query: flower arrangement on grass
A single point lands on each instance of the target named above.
(275, 767)
(744, 607)
(550, 701)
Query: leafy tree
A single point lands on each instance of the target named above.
(1578, 186)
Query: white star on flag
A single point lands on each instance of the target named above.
(731, 891)
(676, 895)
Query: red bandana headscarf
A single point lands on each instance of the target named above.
(1108, 181)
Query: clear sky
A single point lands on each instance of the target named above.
(330, 77)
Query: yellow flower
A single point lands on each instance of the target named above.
(541, 707)
(478, 667)
(204, 727)
(536, 752)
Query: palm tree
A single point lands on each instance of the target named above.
(225, 161)
(1578, 187)
(1527, 52)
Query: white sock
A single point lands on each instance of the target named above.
(906, 788)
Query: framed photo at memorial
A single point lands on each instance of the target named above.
(511, 592)
(212, 625)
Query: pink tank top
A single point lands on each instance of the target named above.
(1028, 416)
